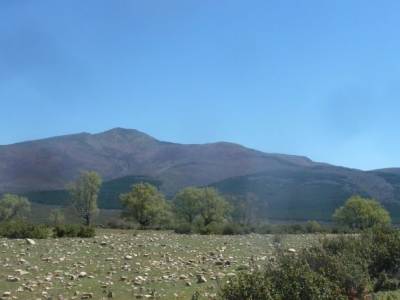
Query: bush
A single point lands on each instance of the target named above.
(345, 267)
(183, 228)
(22, 230)
(121, 224)
(73, 230)
(86, 232)
(235, 228)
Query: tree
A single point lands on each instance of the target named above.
(145, 205)
(214, 207)
(84, 193)
(56, 217)
(361, 213)
(187, 204)
(13, 206)
(203, 205)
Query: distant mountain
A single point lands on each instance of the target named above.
(51, 163)
(314, 192)
(289, 187)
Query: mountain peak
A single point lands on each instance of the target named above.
(126, 133)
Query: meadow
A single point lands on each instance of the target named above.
(128, 264)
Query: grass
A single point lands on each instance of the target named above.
(159, 258)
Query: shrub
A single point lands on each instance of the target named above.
(86, 232)
(73, 230)
(346, 267)
(121, 224)
(23, 229)
(183, 228)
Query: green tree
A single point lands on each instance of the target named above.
(145, 205)
(56, 217)
(361, 213)
(84, 193)
(214, 207)
(187, 204)
(13, 207)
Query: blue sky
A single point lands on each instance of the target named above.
(316, 78)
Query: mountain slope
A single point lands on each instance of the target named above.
(311, 193)
(51, 163)
(288, 186)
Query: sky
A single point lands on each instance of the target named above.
(315, 78)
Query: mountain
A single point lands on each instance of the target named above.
(314, 192)
(51, 163)
(288, 186)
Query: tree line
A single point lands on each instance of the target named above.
(192, 210)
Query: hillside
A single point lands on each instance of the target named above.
(50, 164)
(288, 187)
(313, 193)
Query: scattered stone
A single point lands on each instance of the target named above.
(30, 242)
(291, 250)
(12, 278)
(201, 278)
(82, 275)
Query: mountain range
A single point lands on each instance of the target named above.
(287, 186)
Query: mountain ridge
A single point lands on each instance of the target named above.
(289, 184)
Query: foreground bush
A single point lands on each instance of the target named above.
(346, 267)
(73, 230)
(23, 229)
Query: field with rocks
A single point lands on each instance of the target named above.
(132, 264)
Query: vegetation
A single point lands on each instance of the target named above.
(346, 267)
(145, 205)
(201, 210)
(56, 217)
(19, 229)
(13, 207)
(361, 213)
(84, 193)
(73, 230)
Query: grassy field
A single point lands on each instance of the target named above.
(132, 265)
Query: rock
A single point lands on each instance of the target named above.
(87, 296)
(12, 278)
(21, 272)
(128, 257)
(30, 242)
(6, 294)
(183, 276)
(201, 278)
(291, 250)
(82, 274)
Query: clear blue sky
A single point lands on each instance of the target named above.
(316, 78)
